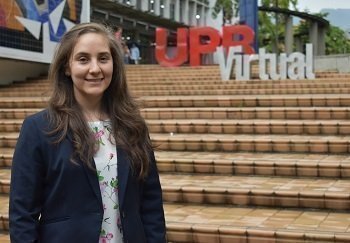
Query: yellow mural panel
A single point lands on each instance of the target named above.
(72, 10)
(11, 10)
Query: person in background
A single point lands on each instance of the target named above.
(84, 169)
(134, 54)
(118, 32)
(126, 53)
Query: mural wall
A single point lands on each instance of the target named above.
(30, 29)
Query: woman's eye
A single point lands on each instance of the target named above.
(83, 59)
(104, 59)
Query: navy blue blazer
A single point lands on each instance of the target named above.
(53, 200)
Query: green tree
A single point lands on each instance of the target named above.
(336, 40)
(229, 9)
(272, 25)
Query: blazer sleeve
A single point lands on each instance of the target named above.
(152, 211)
(26, 185)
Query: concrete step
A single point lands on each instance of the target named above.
(23, 102)
(293, 127)
(239, 91)
(183, 80)
(4, 237)
(302, 165)
(8, 140)
(342, 100)
(6, 157)
(315, 193)
(197, 91)
(178, 81)
(17, 113)
(24, 93)
(332, 75)
(250, 143)
(5, 178)
(4, 208)
(238, 85)
(206, 223)
(327, 100)
(257, 126)
(291, 113)
(32, 88)
(229, 143)
(39, 84)
(10, 125)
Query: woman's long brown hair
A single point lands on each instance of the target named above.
(66, 119)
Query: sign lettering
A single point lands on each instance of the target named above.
(234, 50)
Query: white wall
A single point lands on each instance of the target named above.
(9, 70)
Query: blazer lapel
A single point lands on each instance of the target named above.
(92, 177)
(93, 181)
(123, 173)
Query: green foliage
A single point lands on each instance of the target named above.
(280, 3)
(229, 8)
(336, 41)
(271, 25)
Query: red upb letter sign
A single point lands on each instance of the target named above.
(161, 47)
(235, 35)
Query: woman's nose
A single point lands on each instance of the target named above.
(94, 67)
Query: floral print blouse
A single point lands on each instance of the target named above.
(106, 166)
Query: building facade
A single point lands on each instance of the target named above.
(136, 20)
(30, 29)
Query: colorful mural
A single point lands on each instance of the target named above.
(37, 25)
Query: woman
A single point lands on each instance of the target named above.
(84, 169)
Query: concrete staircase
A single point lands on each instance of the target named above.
(252, 161)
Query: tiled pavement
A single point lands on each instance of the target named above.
(252, 161)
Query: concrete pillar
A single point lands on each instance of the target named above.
(274, 47)
(298, 44)
(177, 10)
(166, 8)
(288, 38)
(199, 12)
(185, 10)
(157, 7)
(321, 41)
(203, 16)
(193, 20)
(313, 36)
(144, 5)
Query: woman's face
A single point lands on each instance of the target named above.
(91, 68)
